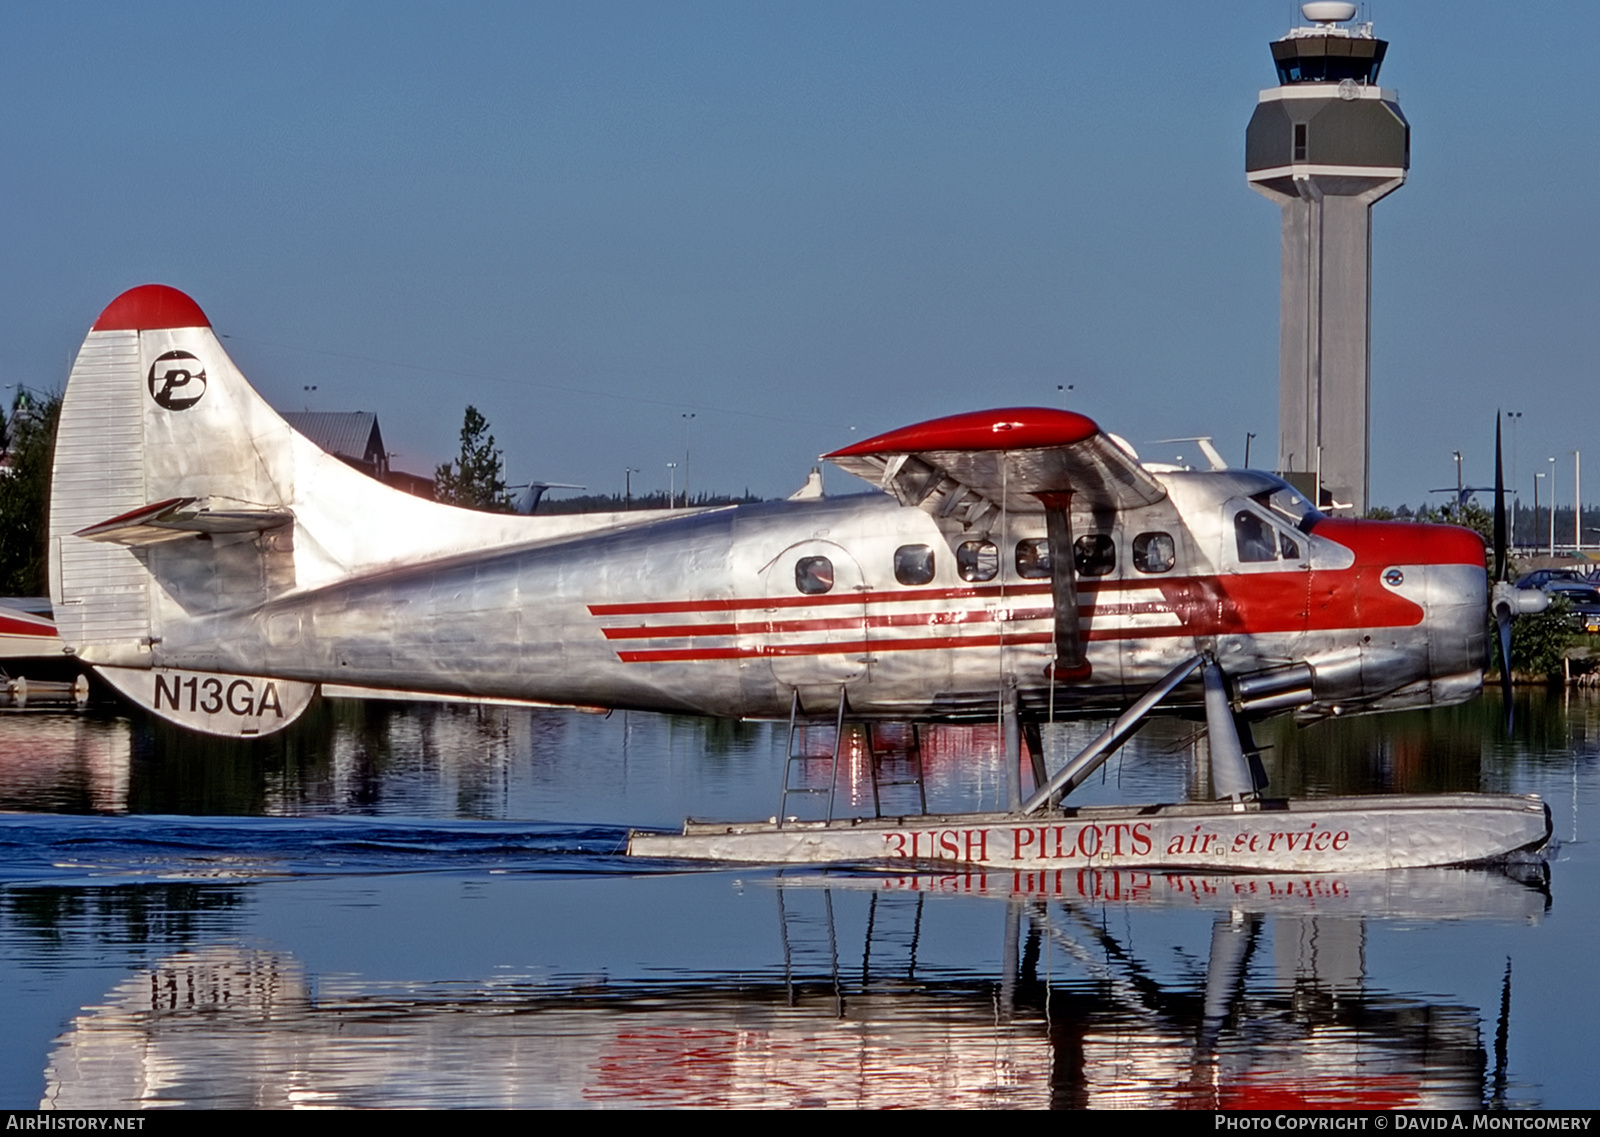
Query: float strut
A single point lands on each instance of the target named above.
(1233, 775)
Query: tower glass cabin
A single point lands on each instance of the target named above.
(1325, 144)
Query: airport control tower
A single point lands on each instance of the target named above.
(1326, 143)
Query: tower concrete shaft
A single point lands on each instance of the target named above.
(1325, 144)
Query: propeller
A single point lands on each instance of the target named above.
(1502, 563)
(1506, 600)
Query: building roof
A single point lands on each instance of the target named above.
(352, 435)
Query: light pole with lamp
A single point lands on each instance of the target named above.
(672, 483)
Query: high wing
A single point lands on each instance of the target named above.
(974, 468)
(969, 465)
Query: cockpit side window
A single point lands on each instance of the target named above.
(1256, 539)
(977, 560)
(813, 575)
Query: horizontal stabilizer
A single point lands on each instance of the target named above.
(183, 517)
(231, 706)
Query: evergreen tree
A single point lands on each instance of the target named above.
(474, 479)
(29, 440)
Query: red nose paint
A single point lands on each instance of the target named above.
(1404, 542)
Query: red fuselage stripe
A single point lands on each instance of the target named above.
(746, 604)
(778, 627)
(757, 651)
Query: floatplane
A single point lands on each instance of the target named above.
(1019, 565)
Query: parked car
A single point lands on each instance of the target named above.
(1544, 577)
(1583, 601)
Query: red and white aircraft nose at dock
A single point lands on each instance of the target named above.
(218, 568)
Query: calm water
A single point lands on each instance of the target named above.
(415, 905)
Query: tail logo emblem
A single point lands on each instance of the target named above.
(177, 380)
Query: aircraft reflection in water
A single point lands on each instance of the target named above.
(1074, 1018)
(556, 972)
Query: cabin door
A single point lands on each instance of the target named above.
(814, 627)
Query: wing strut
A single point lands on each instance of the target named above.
(1069, 662)
(1073, 774)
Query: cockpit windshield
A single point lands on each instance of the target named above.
(1291, 505)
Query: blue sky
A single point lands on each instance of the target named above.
(801, 223)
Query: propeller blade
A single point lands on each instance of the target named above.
(1502, 618)
(1501, 561)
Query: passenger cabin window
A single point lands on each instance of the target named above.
(1154, 552)
(1033, 558)
(977, 560)
(813, 575)
(1094, 554)
(913, 564)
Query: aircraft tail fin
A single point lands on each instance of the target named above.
(178, 495)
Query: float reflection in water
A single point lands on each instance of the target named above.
(1073, 1015)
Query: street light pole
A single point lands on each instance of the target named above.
(687, 419)
(1577, 506)
(1552, 462)
(1514, 416)
(627, 486)
(672, 483)
(1537, 478)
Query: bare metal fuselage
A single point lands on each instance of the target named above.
(699, 612)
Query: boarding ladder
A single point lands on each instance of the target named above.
(895, 745)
